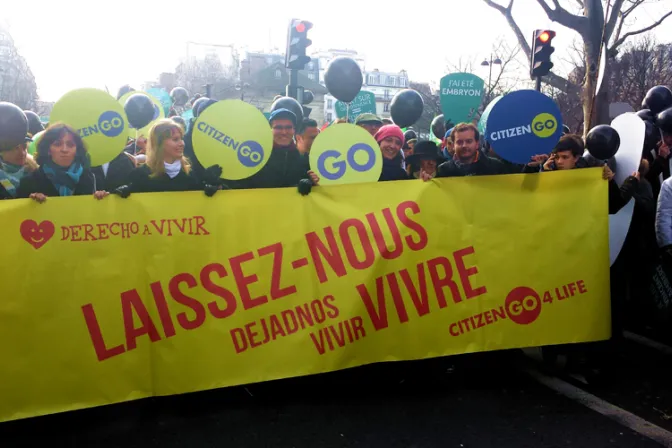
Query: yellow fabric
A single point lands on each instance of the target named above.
(211, 271)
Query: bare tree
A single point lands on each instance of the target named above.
(432, 106)
(195, 74)
(597, 30)
(17, 83)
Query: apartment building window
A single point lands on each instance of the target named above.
(386, 94)
(372, 79)
(386, 107)
(383, 80)
(402, 82)
(393, 81)
(311, 76)
(329, 117)
(278, 74)
(330, 104)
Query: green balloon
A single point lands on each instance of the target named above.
(32, 146)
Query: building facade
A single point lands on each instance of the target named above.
(17, 83)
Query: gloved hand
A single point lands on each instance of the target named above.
(305, 186)
(124, 191)
(210, 190)
(212, 175)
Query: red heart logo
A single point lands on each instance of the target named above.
(36, 234)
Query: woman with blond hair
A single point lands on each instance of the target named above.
(15, 163)
(166, 168)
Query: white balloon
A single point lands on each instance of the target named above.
(632, 131)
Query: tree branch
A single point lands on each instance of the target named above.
(643, 30)
(613, 19)
(563, 17)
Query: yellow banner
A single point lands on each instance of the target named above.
(159, 294)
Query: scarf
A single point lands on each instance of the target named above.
(462, 164)
(173, 169)
(10, 177)
(65, 180)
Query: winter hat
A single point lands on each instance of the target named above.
(200, 107)
(368, 118)
(424, 150)
(390, 130)
(282, 114)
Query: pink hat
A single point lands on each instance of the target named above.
(390, 130)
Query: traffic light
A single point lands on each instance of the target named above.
(297, 42)
(540, 58)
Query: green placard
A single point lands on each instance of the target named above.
(364, 103)
(461, 95)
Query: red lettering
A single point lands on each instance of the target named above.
(277, 251)
(396, 298)
(465, 273)
(332, 309)
(102, 352)
(191, 303)
(243, 281)
(251, 334)
(488, 317)
(88, 233)
(294, 327)
(276, 328)
(318, 311)
(239, 340)
(358, 327)
(65, 233)
(420, 231)
(102, 229)
(380, 239)
(582, 286)
(200, 230)
(363, 242)
(74, 230)
(130, 302)
(450, 329)
(378, 316)
(112, 228)
(331, 255)
(440, 282)
(213, 288)
(162, 306)
(421, 301)
(156, 226)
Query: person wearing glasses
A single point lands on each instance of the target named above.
(286, 165)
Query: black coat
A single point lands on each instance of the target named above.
(117, 173)
(141, 181)
(285, 168)
(482, 167)
(38, 182)
(392, 170)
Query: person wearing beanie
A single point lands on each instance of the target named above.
(286, 166)
(447, 149)
(391, 139)
(15, 164)
(426, 157)
(370, 122)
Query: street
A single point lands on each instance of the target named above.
(482, 400)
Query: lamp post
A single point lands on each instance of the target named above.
(487, 63)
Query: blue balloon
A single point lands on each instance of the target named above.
(523, 124)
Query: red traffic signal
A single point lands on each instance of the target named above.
(301, 27)
(540, 54)
(545, 35)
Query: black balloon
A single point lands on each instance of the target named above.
(196, 105)
(566, 130)
(343, 79)
(406, 108)
(289, 103)
(664, 121)
(34, 123)
(13, 126)
(652, 136)
(439, 127)
(123, 90)
(602, 142)
(657, 99)
(646, 115)
(180, 96)
(139, 110)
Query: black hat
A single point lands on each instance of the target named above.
(424, 150)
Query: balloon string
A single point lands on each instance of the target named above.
(135, 144)
(347, 113)
(599, 60)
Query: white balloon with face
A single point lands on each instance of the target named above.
(632, 131)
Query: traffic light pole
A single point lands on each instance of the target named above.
(538, 87)
(293, 86)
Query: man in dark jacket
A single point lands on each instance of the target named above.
(114, 174)
(468, 160)
(286, 166)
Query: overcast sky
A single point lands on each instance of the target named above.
(68, 44)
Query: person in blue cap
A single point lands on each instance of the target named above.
(286, 166)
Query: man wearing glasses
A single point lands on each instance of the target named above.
(286, 165)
